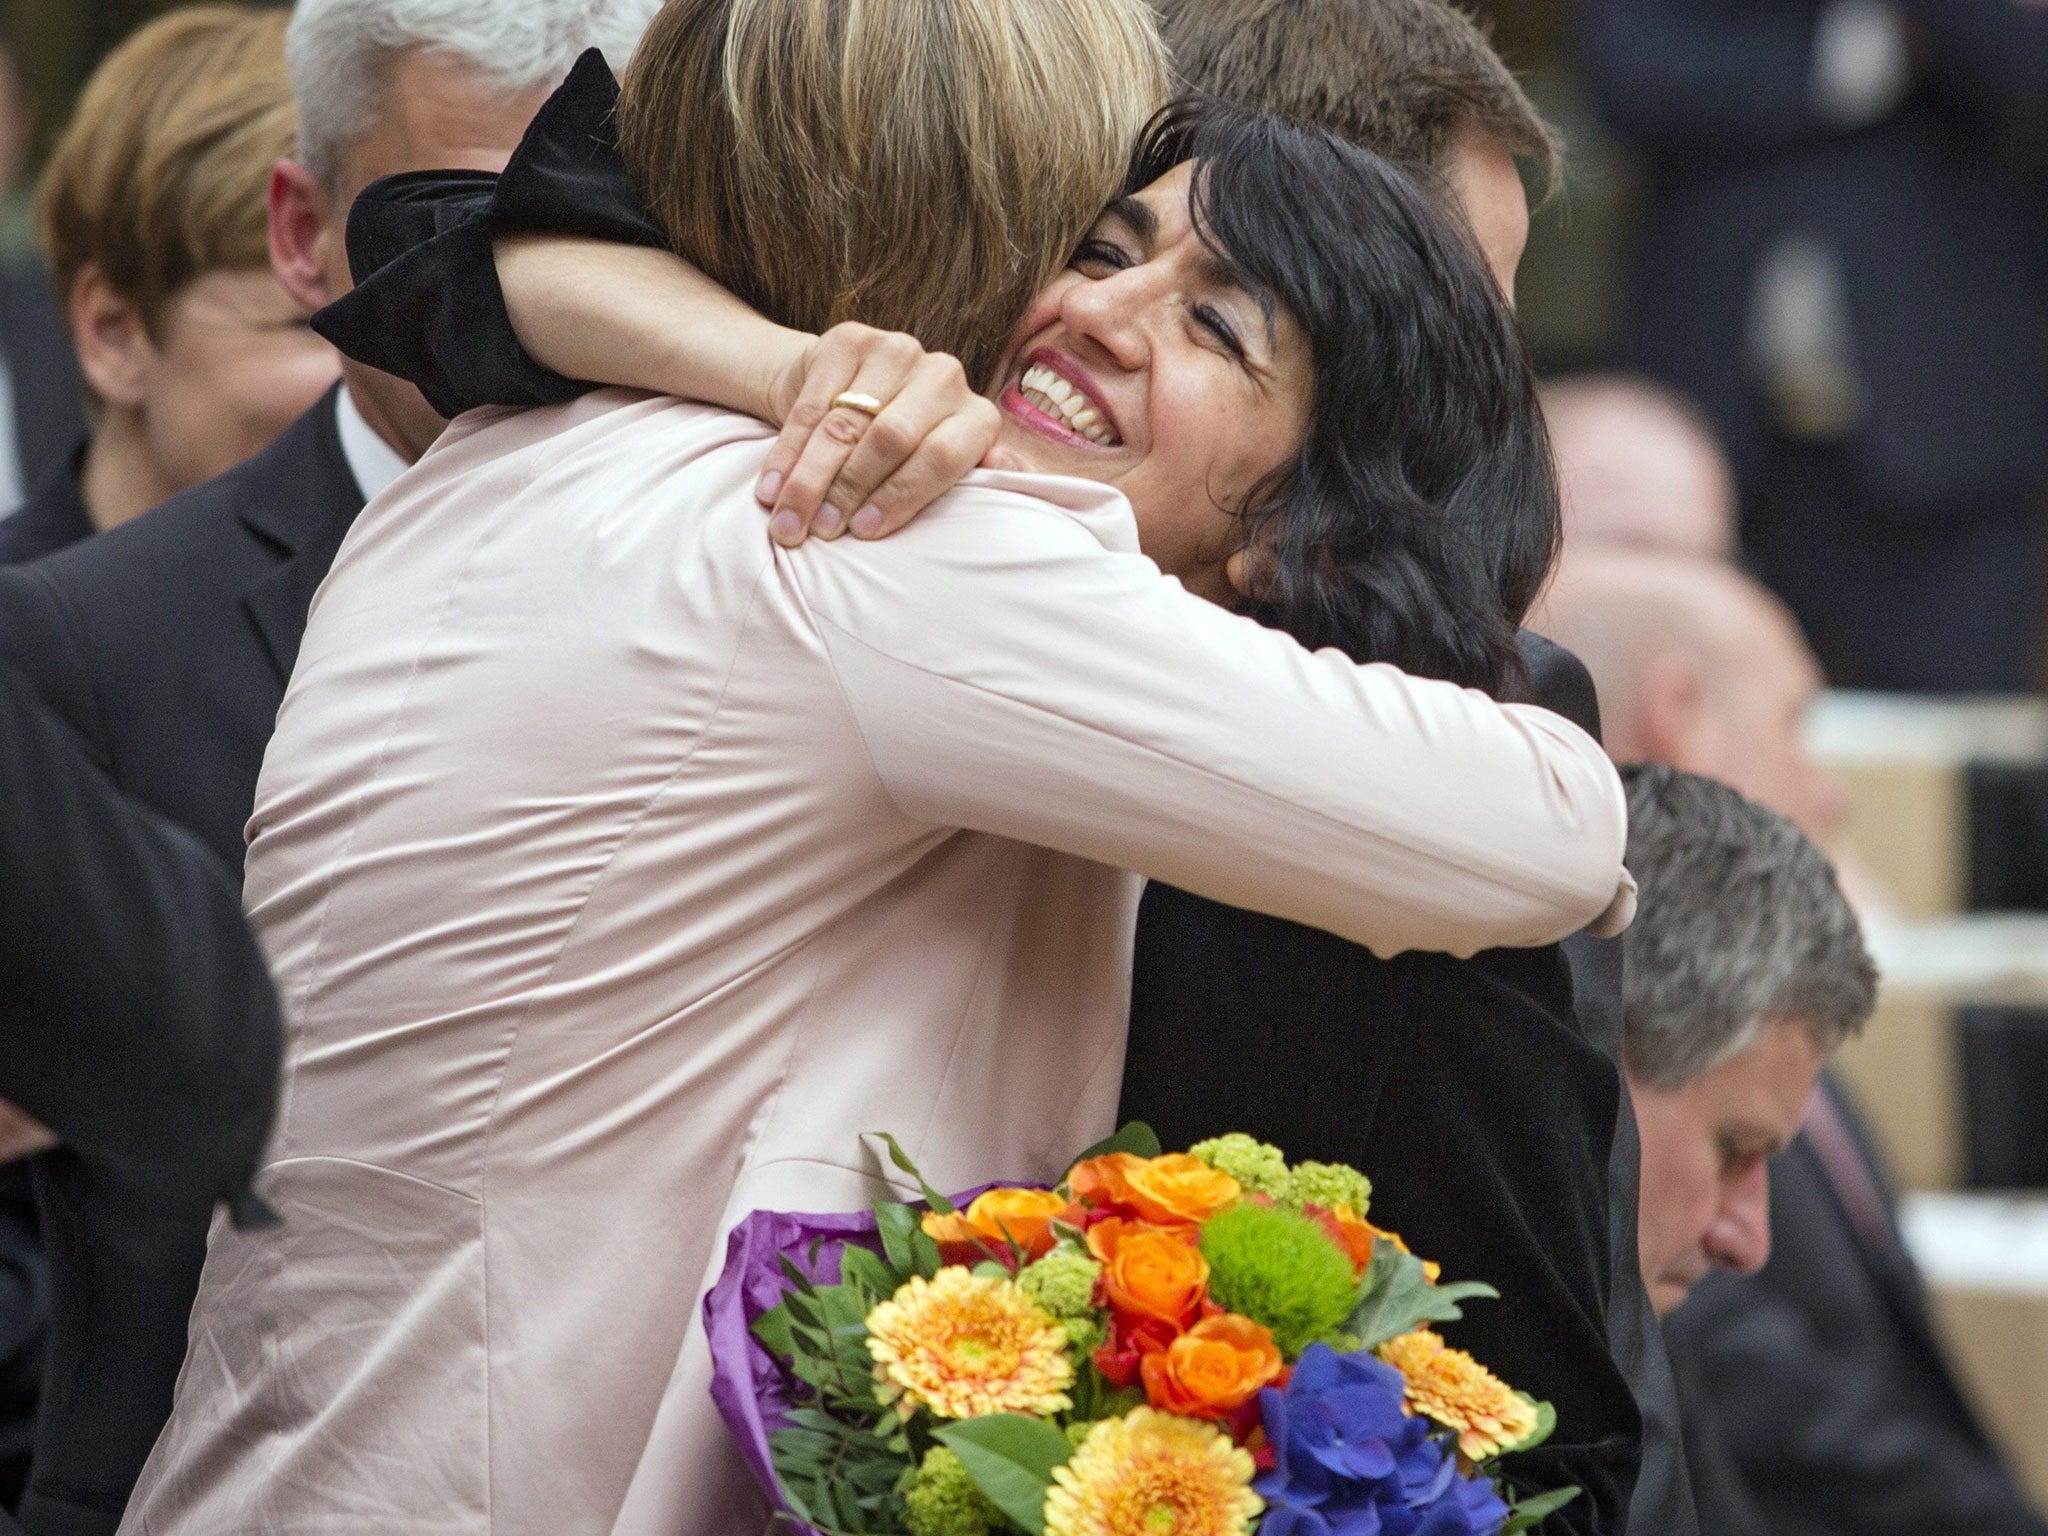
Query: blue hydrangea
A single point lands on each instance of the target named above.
(1350, 1462)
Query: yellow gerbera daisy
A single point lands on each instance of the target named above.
(962, 1345)
(1451, 1388)
(1153, 1474)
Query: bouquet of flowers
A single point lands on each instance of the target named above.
(1203, 1343)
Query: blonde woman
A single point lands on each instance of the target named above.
(151, 216)
(620, 867)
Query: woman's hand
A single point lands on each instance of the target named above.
(836, 467)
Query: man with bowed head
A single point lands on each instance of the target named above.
(165, 643)
(1816, 1394)
(1745, 969)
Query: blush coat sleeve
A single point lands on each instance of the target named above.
(1085, 702)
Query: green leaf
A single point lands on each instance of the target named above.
(1135, 1137)
(1397, 1297)
(1011, 1457)
(896, 1223)
(1546, 1426)
(857, 1266)
(901, 1159)
(772, 1329)
(1525, 1514)
(924, 1253)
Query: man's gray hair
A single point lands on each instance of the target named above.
(341, 53)
(1739, 923)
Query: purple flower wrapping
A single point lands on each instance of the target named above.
(747, 1382)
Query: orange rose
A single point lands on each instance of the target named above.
(1351, 1231)
(1100, 1181)
(996, 1219)
(1355, 1235)
(1150, 1272)
(1213, 1369)
(1174, 1190)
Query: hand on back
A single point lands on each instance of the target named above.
(838, 467)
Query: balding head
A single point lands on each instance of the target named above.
(1697, 667)
(1637, 467)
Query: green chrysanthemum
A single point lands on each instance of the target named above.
(1259, 1166)
(1278, 1267)
(943, 1501)
(1084, 1334)
(1063, 1282)
(1329, 1185)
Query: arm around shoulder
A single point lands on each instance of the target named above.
(1012, 675)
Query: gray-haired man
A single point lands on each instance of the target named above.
(1744, 970)
(1816, 1396)
(166, 645)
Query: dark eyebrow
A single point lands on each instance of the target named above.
(1130, 210)
(1221, 270)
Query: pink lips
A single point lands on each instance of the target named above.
(1015, 404)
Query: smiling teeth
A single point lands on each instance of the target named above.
(1060, 400)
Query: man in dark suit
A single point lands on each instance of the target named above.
(1836, 263)
(1814, 1397)
(140, 1026)
(166, 643)
(1818, 1400)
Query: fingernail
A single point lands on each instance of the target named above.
(867, 522)
(768, 488)
(785, 527)
(829, 521)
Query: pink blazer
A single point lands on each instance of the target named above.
(620, 869)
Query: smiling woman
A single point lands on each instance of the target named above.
(1277, 346)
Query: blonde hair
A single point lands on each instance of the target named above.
(920, 165)
(161, 174)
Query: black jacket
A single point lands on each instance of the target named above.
(53, 517)
(1470, 1091)
(1482, 1098)
(138, 1023)
(165, 645)
(1817, 1398)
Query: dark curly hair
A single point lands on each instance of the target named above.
(1420, 515)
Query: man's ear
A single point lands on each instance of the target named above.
(1671, 712)
(114, 350)
(298, 220)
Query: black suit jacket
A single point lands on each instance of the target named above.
(1940, 244)
(49, 395)
(1818, 1401)
(53, 517)
(165, 644)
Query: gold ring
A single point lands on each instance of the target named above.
(853, 400)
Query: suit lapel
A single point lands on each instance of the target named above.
(300, 510)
